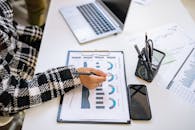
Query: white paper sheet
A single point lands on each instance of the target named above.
(106, 103)
(183, 83)
(177, 44)
(170, 39)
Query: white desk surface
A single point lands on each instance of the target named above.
(168, 112)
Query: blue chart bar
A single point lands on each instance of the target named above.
(189, 75)
(85, 104)
(99, 102)
(97, 65)
(100, 107)
(84, 64)
(100, 93)
(99, 89)
(100, 98)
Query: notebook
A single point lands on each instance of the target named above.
(97, 19)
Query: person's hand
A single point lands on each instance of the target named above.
(93, 80)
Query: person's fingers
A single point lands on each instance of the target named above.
(92, 70)
(97, 72)
(98, 79)
(94, 80)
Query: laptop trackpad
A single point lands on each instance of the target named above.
(79, 26)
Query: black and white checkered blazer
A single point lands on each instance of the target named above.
(19, 87)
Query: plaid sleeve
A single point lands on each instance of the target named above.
(29, 34)
(18, 94)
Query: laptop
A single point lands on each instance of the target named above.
(96, 19)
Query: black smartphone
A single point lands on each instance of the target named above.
(139, 102)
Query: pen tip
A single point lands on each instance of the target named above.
(146, 37)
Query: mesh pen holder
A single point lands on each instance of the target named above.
(147, 71)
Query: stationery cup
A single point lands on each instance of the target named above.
(148, 70)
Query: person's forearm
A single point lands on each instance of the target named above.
(29, 34)
(21, 94)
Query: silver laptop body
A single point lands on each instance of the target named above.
(75, 17)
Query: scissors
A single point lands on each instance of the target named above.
(149, 48)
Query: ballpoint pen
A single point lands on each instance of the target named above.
(146, 54)
(149, 47)
(146, 37)
(150, 42)
(138, 51)
(148, 59)
(147, 64)
(84, 73)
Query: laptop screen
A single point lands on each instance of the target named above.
(118, 7)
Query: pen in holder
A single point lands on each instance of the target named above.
(149, 61)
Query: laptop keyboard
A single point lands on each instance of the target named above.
(95, 18)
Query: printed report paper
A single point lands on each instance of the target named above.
(106, 103)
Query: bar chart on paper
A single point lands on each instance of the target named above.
(106, 103)
(183, 83)
(99, 93)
